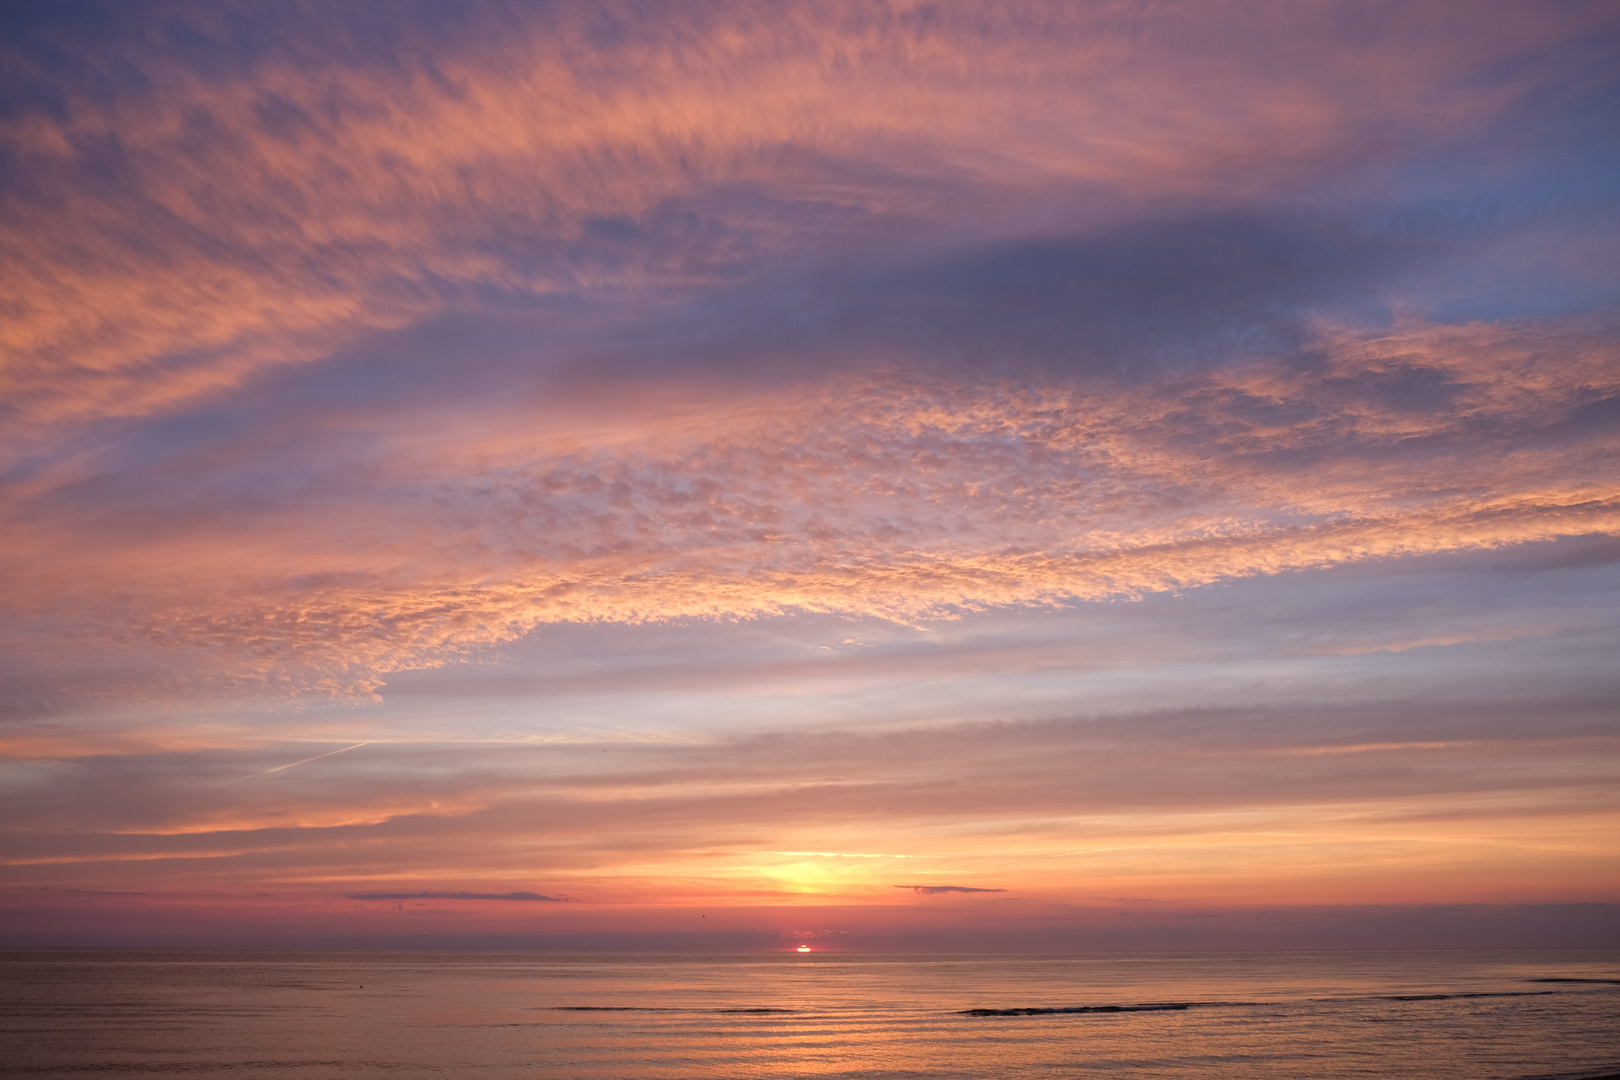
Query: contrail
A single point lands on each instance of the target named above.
(278, 768)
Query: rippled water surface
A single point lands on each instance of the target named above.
(1441, 1015)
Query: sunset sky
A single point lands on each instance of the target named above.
(877, 475)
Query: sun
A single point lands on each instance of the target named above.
(803, 948)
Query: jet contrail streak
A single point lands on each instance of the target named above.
(306, 761)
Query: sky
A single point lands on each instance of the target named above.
(888, 475)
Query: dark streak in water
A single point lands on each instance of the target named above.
(657, 1008)
(1174, 1006)
(754, 1011)
(1451, 997)
(611, 1008)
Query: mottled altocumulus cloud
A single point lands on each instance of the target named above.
(896, 495)
(1072, 447)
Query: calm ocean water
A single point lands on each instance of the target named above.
(1440, 1015)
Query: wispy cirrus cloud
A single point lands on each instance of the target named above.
(182, 220)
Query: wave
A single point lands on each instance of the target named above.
(1177, 1006)
(1565, 979)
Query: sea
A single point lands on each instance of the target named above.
(1442, 1015)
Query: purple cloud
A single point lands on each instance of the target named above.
(457, 896)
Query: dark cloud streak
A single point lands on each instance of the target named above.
(526, 896)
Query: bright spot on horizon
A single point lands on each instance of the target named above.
(804, 948)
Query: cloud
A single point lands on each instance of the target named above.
(184, 217)
(934, 890)
(891, 495)
(360, 342)
(1235, 805)
(528, 896)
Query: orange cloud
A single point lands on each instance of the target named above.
(1180, 808)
